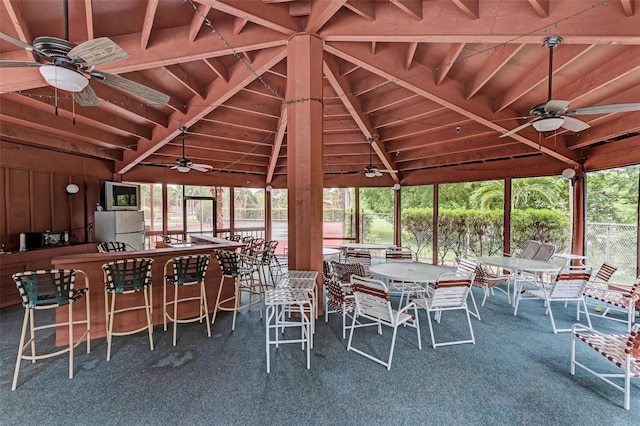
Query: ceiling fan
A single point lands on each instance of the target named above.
(371, 171)
(554, 114)
(69, 67)
(184, 165)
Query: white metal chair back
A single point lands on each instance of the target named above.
(372, 303)
(449, 293)
(545, 252)
(372, 299)
(451, 290)
(469, 267)
(361, 257)
(531, 249)
(570, 283)
(398, 254)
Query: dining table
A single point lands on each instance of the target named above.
(416, 272)
(517, 265)
(413, 277)
(570, 257)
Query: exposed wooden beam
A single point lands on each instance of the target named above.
(197, 20)
(321, 12)
(411, 52)
(62, 124)
(88, 12)
(540, 73)
(352, 104)
(449, 60)
(363, 8)
(385, 65)
(45, 139)
(121, 100)
(217, 67)
(239, 24)
(187, 80)
(147, 23)
(174, 49)
(627, 6)
(262, 14)
(627, 124)
(471, 8)
(277, 145)
(392, 25)
(14, 10)
(541, 7)
(412, 8)
(219, 92)
(498, 60)
(609, 73)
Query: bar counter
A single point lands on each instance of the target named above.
(91, 264)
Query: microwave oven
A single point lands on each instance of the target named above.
(34, 240)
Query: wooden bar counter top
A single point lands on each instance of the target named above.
(91, 264)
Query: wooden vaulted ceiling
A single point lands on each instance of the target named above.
(434, 83)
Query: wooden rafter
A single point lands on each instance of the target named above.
(147, 23)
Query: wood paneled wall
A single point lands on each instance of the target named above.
(33, 192)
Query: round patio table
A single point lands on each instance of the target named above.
(516, 265)
(417, 272)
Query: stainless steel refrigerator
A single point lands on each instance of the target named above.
(123, 226)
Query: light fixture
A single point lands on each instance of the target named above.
(396, 187)
(182, 169)
(548, 124)
(72, 188)
(63, 78)
(370, 174)
(568, 173)
(268, 188)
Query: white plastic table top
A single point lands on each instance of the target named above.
(570, 256)
(417, 272)
(517, 265)
(367, 246)
(330, 251)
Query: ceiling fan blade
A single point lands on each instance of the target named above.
(604, 109)
(18, 64)
(517, 129)
(132, 87)
(201, 167)
(86, 97)
(387, 171)
(20, 43)
(574, 125)
(98, 51)
(556, 106)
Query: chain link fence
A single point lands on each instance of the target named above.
(614, 243)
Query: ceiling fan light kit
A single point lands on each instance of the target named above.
(548, 124)
(63, 78)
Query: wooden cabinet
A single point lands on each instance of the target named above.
(10, 263)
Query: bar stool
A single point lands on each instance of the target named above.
(240, 268)
(127, 276)
(187, 271)
(50, 289)
(279, 303)
(304, 281)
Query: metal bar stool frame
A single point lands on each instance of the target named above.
(303, 281)
(279, 304)
(127, 276)
(239, 268)
(50, 289)
(185, 271)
